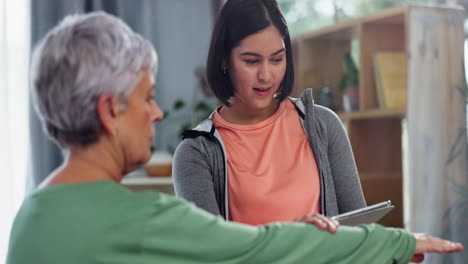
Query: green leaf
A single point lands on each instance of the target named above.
(178, 104)
(351, 73)
(203, 107)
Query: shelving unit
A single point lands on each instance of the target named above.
(375, 133)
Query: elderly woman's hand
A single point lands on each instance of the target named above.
(320, 221)
(427, 244)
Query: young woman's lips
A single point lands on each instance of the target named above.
(262, 91)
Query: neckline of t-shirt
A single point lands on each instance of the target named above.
(219, 121)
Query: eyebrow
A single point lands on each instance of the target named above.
(258, 55)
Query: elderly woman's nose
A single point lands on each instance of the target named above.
(157, 114)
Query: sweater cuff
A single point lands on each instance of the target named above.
(407, 248)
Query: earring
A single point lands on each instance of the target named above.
(224, 68)
(276, 95)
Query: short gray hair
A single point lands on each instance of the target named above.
(83, 57)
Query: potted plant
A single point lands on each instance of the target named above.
(201, 110)
(349, 84)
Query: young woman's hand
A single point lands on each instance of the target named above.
(427, 244)
(320, 221)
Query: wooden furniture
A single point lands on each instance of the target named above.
(138, 180)
(152, 176)
(375, 133)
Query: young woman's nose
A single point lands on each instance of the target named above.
(264, 74)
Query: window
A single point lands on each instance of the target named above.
(14, 57)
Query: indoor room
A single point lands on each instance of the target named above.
(358, 115)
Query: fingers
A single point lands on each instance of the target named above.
(425, 243)
(320, 221)
(418, 258)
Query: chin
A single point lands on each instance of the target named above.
(147, 157)
(142, 159)
(263, 105)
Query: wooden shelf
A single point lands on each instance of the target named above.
(375, 133)
(379, 174)
(376, 113)
(349, 29)
(342, 31)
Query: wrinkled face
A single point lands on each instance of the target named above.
(257, 68)
(136, 125)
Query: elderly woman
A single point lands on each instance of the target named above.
(92, 83)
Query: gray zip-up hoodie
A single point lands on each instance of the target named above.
(200, 165)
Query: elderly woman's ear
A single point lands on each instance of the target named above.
(108, 110)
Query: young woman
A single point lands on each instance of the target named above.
(263, 156)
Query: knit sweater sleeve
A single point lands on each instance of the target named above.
(348, 188)
(193, 179)
(177, 232)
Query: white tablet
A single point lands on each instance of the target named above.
(366, 215)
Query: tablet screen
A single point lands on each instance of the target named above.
(366, 215)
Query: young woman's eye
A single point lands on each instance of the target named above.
(277, 60)
(251, 61)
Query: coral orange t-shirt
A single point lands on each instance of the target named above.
(272, 172)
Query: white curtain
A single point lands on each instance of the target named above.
(14, 57)
(437, 163)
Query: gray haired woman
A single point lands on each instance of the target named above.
(92, 81)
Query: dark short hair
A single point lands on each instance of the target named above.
(237, 20)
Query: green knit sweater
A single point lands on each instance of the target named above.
(103, 222)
